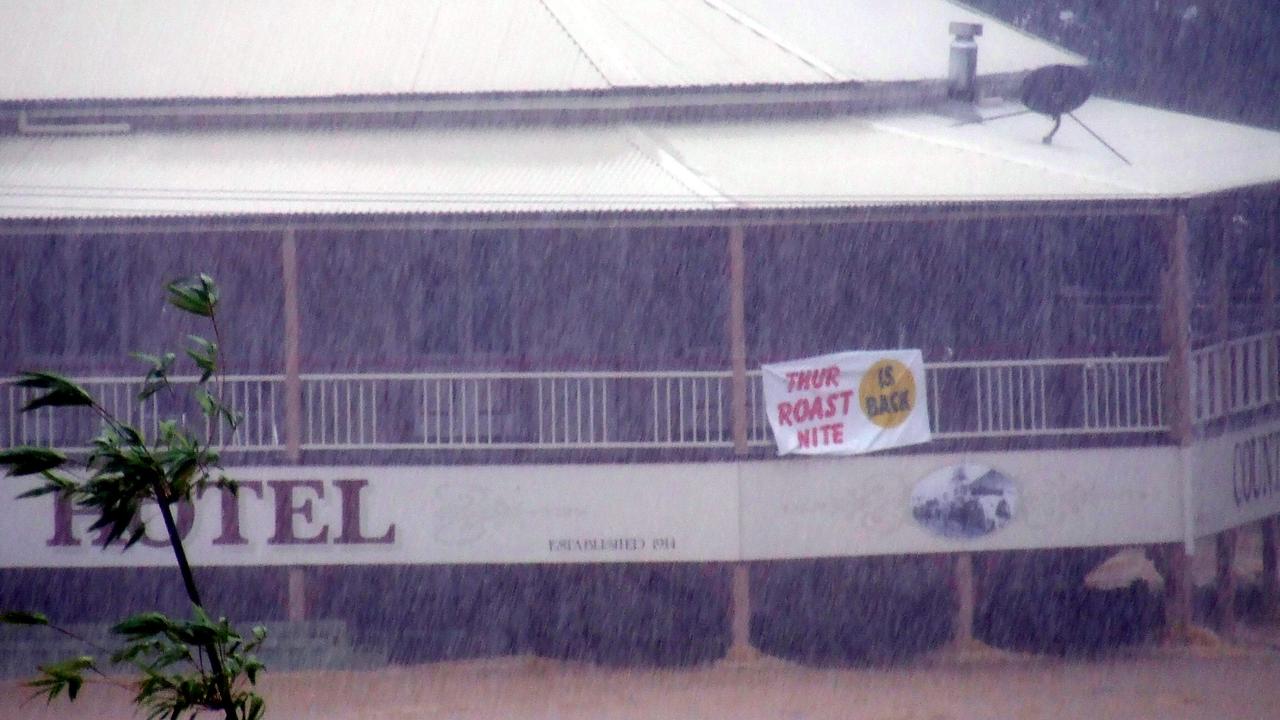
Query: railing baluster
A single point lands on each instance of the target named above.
(591, 410)
(475, 402)
(449, 439)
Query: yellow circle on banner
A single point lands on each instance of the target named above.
(887, 393)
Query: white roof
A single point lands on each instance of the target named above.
(153, 49)
(846, 161)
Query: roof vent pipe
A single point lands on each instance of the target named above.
(962, 75)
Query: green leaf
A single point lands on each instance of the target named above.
(67, 675)
(157, 377)
(202, 617)
(251, 669)
(197, 295)
(55, 483)
(30, 460)
(210, 289)
(45, 489)
(135, 536)
(143, 625)
(205, 355)
(22, 617)
(256, 707)
(61, 391)
(208, 405)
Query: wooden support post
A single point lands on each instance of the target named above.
(296, 579)
(740, 649)
(296, 597)
(292, 348)
(965, 600)
(1176, 329)
(1269, 324)
(1176, 568)
(1270, 585)
(1224, 606)
(738, 336)
(1269, 527)
(1175, 303)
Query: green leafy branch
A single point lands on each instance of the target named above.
(186, 665)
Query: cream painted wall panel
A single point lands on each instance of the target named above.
(491, 514)
(862, 506)
(1236, 478)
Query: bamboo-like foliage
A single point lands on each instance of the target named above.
(186, 666)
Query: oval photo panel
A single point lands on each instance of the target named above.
(964, 501)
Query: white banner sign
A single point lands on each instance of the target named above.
(847, 403)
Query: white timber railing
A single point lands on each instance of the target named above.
(259, 399)
(638, 409)
(1074, 396)
(1236, 376)
(514, 410)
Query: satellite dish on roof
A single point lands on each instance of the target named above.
(1054, 90)
(1057, 90)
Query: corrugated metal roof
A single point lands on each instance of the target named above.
(847, 161)
(897, 40)
(153, 49)
(931, 157)
(274, 172)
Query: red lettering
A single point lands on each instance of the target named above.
(813, 379)
(847, 395)
(784, 413)
(808, 437)
(837, 433)
(831, 376)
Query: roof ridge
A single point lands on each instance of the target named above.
(752, 25)
(573, 39)
(668, 160)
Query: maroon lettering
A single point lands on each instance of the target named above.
(350, 491)
(231, 512)
(64, 513)
(286, 511)
(183, 518)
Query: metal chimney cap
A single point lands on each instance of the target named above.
(966, 31)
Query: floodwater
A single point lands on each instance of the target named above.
(1227, 685)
